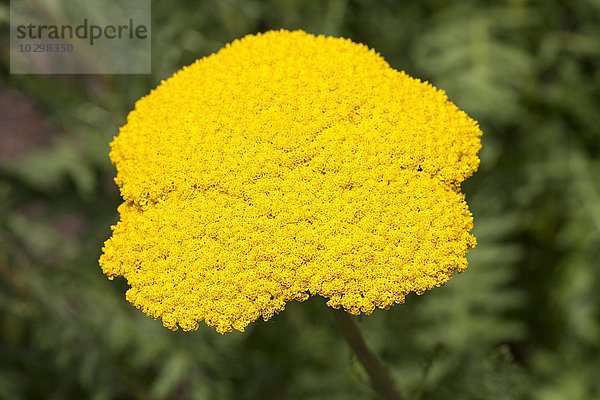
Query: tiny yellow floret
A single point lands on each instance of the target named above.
(287, 165)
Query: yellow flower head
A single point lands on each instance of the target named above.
(287, 165)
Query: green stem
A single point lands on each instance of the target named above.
(381, 381)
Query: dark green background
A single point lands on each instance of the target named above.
(522, 323)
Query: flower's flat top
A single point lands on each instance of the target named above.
(284, 165)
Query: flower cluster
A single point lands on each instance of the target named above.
(287, 165)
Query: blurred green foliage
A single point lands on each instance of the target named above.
(522, 323)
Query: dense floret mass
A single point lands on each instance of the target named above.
(287, 165)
